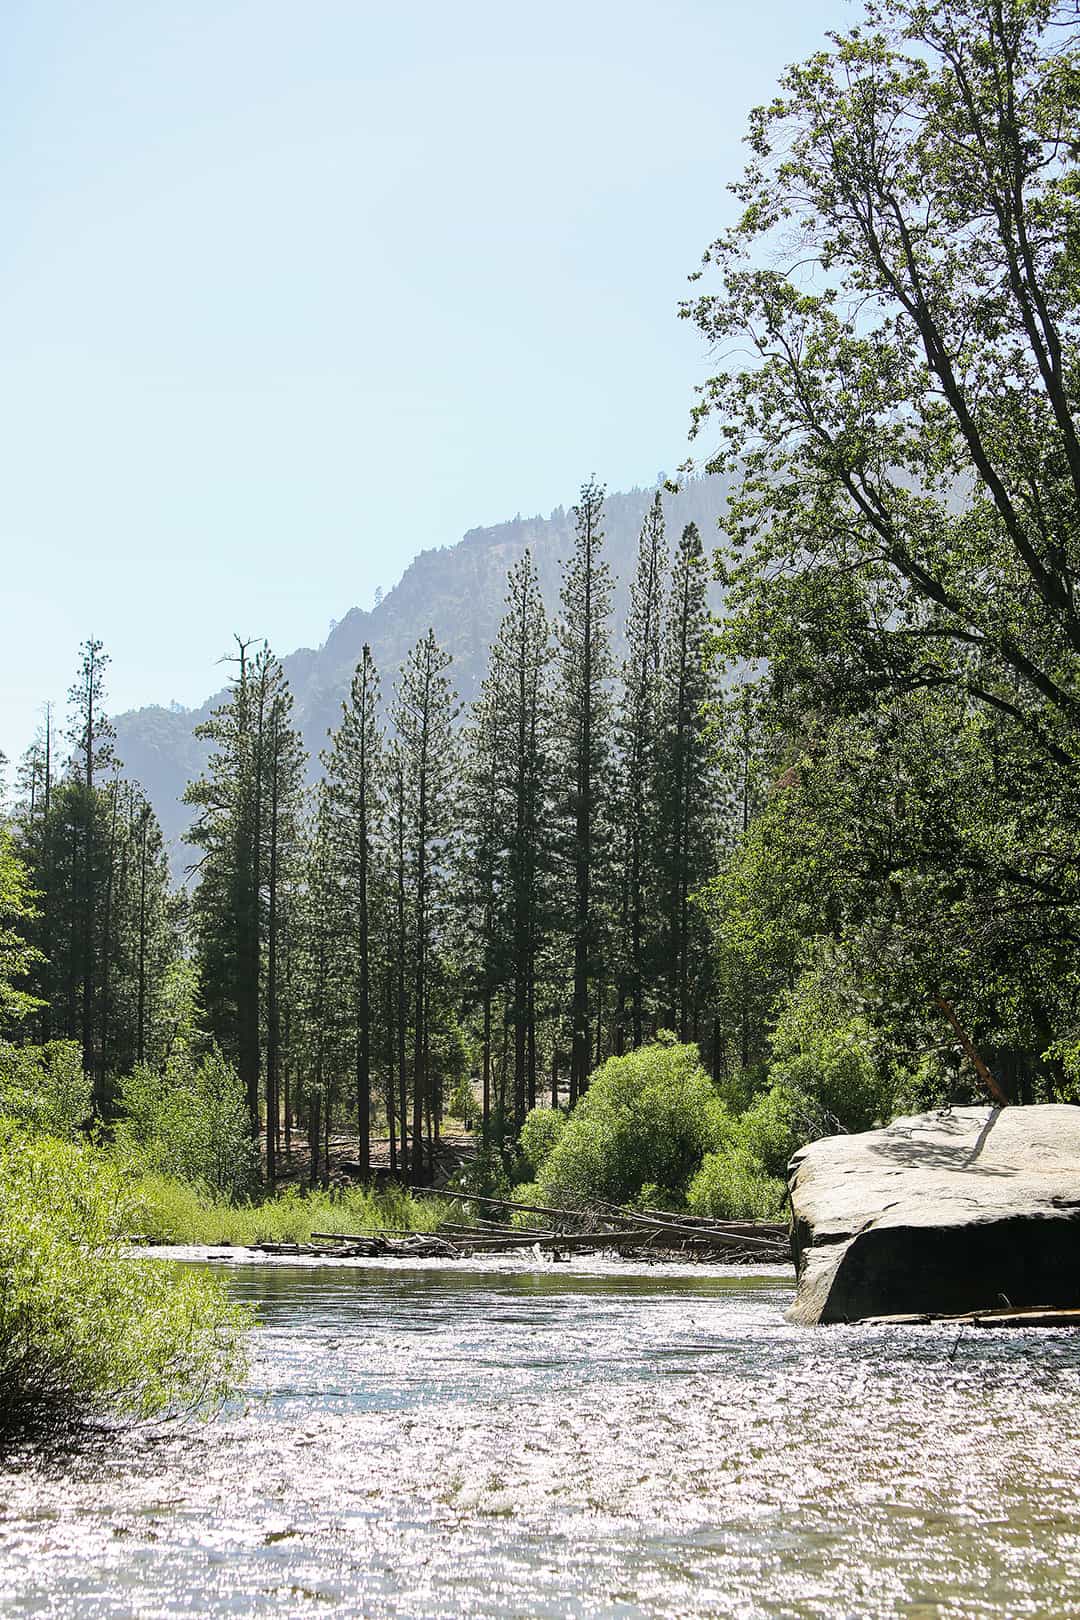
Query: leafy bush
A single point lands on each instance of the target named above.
(778, 1123)
(653, 1196)
(528, 1193)
(647, 1117)
(461, 1103)
(824, 1051)
(45, 1088)
(17, 958)
(484, 1174)
(83, 1329)
(732, 1185)
(541, 1130)
(189, 1121)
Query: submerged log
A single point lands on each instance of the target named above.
(968, 1210)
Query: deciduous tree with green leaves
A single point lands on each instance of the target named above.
(904, 277)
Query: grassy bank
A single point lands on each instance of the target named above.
(165, 1208)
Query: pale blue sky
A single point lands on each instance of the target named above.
(291, 291)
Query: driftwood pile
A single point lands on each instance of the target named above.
(600, 1228)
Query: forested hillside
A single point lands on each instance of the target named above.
(824, 841)
(457, 590)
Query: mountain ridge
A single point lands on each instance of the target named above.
(457, 589)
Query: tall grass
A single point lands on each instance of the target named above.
(164, 1208)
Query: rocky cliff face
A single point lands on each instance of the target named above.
(962, 1210)
(458, 590)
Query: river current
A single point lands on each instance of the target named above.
(541, 1440)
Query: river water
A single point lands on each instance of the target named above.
(424, 1440)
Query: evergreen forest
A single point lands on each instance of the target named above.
(814, 851)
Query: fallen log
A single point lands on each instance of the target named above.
(504, 1203)
(636, 1221)
(425, 1245)
(1027, 1316)
(720, 1238)
(776, 1229)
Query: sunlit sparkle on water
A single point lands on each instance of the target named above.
(427, 1441)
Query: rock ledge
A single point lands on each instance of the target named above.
(957, 1211)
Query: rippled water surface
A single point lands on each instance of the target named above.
(429, 1441)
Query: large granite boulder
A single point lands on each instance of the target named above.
(957, 1211)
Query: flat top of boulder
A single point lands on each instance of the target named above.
(926, 1168)
(955, 1211)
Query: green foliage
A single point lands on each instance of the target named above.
(188, 1120)
(539, 1134)
(646, 1117)
(732, 1185)
(529, 1192)
(162, 1207)
(45, 1088)
(451, 1062)
(826, 1060)
(17, 957)
(825, 1076)
(461, 1103)
(181, 1026)
(83, 1329)
(484, 1174)
(777, 1124)
(653, 1196)
(897, 308)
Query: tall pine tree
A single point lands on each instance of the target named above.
(684, 791)
(584, 721)
(518, 678)
(423, 713)
(354, 807)
(638, 721)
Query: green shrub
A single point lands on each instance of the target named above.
(528, 1193)
(732, 1185)
(539, 1133)
(17, 958)
(189, 1121)
(484, 1174)
(647, 1117)
(461, 1103)
(84, 1329)
(745, 1178)
(778, 1123)
(45, 1088)
(824, 1051)
(652, 1196)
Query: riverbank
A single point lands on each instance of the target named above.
(388, 1220)
(167, 1210)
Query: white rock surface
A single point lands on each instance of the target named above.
(954, 1211)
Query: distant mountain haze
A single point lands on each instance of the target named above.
(458, 590)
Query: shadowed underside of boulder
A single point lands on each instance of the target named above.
(940, 1213)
